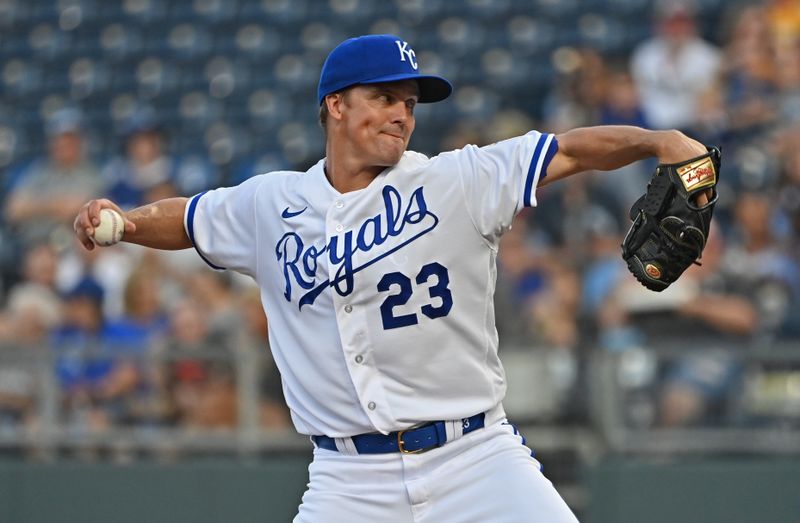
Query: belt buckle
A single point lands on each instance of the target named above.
(401, 445)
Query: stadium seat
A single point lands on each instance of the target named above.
(392, 26)
(48, 42)
(196, 108)
(319, 38)
(528, 35)
(13, 14)
(282, 12)
(499, 67)
(293, 70)
(142, 11)
(486, 11)
(194, 173)
(475, 102)
(417, 11)
(188, 40)
(155, 77)
(259, 43)
(600, 32)
(22, 78)
(266, 109)
(254, 65)
(121, 107)
(560, 10)
(118, 41)
(10, 145)
(263, 162)
(216, 11)
(223, 77)
(629, 8)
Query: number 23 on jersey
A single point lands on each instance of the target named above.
(435, 274)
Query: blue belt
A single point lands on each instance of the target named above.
(411, 441)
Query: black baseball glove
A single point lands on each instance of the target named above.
(669, 231)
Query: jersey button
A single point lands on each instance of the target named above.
(371, 405)
(359, 358)
(339, 228)
(348, 308)
(339, 204)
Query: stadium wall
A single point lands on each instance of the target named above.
(619, 491)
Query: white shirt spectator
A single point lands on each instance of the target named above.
(672, 70)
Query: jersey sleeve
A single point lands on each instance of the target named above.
(222, 226)
(500, 179)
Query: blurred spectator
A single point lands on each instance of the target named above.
(674, 68)
(784, 19)
(110, 268)
(789, 187)
(213, 291)
(790, 330)
(101, 378)
(756, 269)
(145, 172)
(520, 277)
(106, 379)
(577, 96)
(758, 263)
(33, 311)
(77, 346)
(144, 318)
(559, 270)
(83, 321)
(621, 105)
(719, 317)
(254, 336)
(788, 79)
(543, 292)
(537, 304)
(591, 201)
(19, 377)
(200, 372)
(554, 311)
(34, 307)
(712, 121)
(708, 304)
(48, 193)
(603, 267)
(750, 75)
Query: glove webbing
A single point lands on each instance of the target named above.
(658, 194)
(656, 237)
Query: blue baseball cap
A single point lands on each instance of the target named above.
(375, 59)
(65, 120)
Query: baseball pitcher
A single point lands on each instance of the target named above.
(377, 270)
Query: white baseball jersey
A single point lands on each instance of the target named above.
(380, 300)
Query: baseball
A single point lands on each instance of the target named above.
(110, 229)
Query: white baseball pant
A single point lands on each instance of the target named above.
(487, 476)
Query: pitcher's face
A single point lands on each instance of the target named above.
(378, 120)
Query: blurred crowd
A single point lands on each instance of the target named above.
(130, 337)
(561, 266)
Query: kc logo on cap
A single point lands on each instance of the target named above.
(407, 51)
(373, 59)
